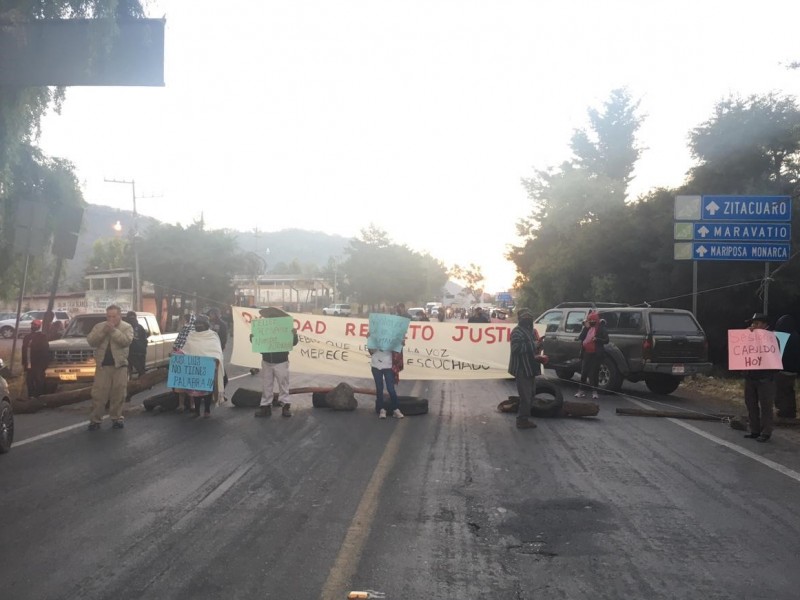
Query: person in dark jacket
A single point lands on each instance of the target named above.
(759, 391)
(785, 400)
(218, 325)
(137, 355)
(35, 358)
(522, 364)
(593, 338)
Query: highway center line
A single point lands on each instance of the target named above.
(791, 474)
(344, 567)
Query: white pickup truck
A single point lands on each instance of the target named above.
(72, 358)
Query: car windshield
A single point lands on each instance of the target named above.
(81, 327)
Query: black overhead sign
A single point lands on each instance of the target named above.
(68, 52)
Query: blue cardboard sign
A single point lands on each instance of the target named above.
(766, 252)
(189, 372)
(746, 208)
(387, 332)
(743, 232)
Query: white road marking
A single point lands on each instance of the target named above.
(790, 473)
(43, 436)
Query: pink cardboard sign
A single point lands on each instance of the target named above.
(757, 349)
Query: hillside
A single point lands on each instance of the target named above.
(307, 247)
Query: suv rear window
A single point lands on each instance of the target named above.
(673, 323)
(622, 320)
(574, 322)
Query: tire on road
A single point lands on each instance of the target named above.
(661, 383)
(411, 405)
(245, 398)
(548, 400)
(166, 401)
(7, 332)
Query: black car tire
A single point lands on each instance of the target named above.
(6, 426)
(411, 405)
(547, 401)
(661, 383)
(7, 332)
(565, 373)
(609, 377)
(165, 400)
(245, 398)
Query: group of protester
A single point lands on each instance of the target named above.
(120, 347)
(118, 344)
(765, 390)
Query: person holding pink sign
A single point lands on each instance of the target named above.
(759, 391)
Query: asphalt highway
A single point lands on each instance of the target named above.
(455, 504)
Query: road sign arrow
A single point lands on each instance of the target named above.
(703, 231)
(702, 251)
(712, 207)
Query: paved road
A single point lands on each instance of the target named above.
(457, 504)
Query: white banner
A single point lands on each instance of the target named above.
(338, 346)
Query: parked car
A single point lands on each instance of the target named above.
(25, 320)
(658, 345)
(6, 416)
(418, 314)
(337, 310)
(72, 358)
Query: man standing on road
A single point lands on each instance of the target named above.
(522, 364)
(759, 391)
(111, 341)
(275, 367)
(35, 358)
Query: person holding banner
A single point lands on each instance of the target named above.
(522, 364)
(785, 400)
(759, 391)
(270, 338)
(205, 342)
(385, 339)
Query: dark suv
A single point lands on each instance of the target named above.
(658, 345)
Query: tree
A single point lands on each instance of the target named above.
(748, 146)
(377, 270)
(471, 276)
(609, 150)
(568, 203)
(111, 253)
(189, 264)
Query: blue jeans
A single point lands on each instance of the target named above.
(388, 375)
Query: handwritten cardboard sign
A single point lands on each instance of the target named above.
(273, 334)
(757, 349)
(188, 372)
(386, 332)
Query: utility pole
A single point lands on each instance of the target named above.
(137, 288)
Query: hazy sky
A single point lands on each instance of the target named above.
(418, 116)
